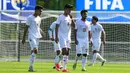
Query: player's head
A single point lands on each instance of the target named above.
(38, 10)
(68, 8)
(94, 19)
(84, 13)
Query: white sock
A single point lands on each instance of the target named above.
(94, 58)
(98, 55)
(57, 59)
(65, 61)
(84, 61)
(32, 59)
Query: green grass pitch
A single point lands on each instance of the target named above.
(46, 67)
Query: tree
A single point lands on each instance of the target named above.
(55, 4)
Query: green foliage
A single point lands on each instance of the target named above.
(55, 4)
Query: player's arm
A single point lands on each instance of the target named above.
(24, 34)
(104, 37)
(89, 35)
(42, 33)
(56, 32)
(75, 35)
(73, 23)
(28, 22)
(58, 22)
(50, 32)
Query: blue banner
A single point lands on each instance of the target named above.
(15, 5)
(108, 11)
(103, 5)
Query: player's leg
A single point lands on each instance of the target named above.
(96, 48)
(34, 50)
(78, 54)
(98, 55)
(58, 55)
(65, 53)
(84, 56)
(94, 57)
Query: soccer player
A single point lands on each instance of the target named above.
(63, 33)
(57, 48)
(34, 34)
(96, 30)
(82, 37)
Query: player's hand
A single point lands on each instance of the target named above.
(104, 42)
(23, 41)
(52, 39)
(56, 40)
(70, 16)
(76, 42)
(91, 43)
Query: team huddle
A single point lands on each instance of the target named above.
(85, 33)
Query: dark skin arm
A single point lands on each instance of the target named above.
(43, 34)
(73, 23)
(25, 32)
(56, 31)
(75, 35)
(104, 37)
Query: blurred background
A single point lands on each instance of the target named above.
(114, 15)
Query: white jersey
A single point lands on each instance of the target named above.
(96, 31)
(34, 26)
(64, 23)
(82, 29)
(51, 30)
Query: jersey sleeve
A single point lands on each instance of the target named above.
(58, 21)
(101, 28)
(28, 21)
(89, 28)
(51, 29)
(53, 26)
(50, 32)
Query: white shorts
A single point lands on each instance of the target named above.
(34, 42)
(56, 46)
(82, 47)
(64, 43)
(96, 45)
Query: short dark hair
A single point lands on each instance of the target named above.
(68, 6)
(83, 11)
(95, 18)
(38, 7)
